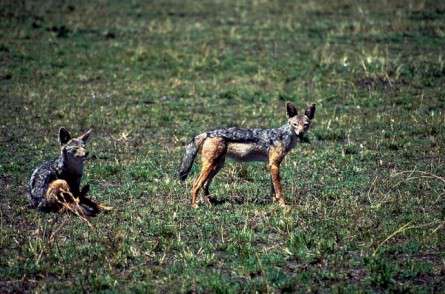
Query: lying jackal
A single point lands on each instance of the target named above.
(55, 184)
(270, 145)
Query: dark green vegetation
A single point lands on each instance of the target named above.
(366, 196)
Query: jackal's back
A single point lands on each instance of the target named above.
(40, 180)
(246, 140)
(245, 135)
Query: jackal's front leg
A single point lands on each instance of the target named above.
(276, 155)
(276, 181)
(93, 207)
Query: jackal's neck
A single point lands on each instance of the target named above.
(287, 129)
(68, 168)
(291, 138)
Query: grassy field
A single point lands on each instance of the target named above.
(366, 194)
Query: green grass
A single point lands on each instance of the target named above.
(366, 196)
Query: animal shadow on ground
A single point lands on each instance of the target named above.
(238, 200)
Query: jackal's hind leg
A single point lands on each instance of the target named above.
(206, 170)
(60, 198)
(207, 184)
(212, 156)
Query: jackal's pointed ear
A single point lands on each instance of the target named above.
(64, 136)
(310, 111)
(85, 136)
(291, 109)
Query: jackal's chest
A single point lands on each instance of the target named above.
(247, 152)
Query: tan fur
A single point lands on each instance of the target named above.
(58, 186)
(213, 151)
(240, 148)
(62, 199)
(60, 196)
(243, 151)
(276, 155)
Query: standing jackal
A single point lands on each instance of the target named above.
(270, 145)
(55, 184)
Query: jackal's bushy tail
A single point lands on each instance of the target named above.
(187, 161)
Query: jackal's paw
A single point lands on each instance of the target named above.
(284, 205)
(194, 205)
(104, 207)
(280, 202)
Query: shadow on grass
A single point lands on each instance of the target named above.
(237, 201)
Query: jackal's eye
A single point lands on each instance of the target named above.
(71, 149)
